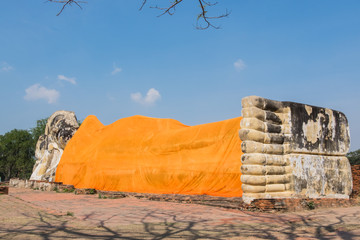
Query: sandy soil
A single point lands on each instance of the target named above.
(30, 214)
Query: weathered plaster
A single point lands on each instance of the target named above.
(60, 127)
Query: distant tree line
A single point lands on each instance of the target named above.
(17, 151)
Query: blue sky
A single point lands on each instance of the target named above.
(113, 61)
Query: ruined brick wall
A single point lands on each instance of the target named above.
(355, 170)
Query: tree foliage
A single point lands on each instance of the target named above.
(39, 130)
(204, 20)
(354, 157)
(16, 154)
(17, 151)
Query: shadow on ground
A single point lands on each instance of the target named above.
(49, 226)
(21, 220)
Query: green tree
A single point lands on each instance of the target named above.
(16, 154)
(39, 130)
(354, 157)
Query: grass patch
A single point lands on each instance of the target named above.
(92, 191)
(70, 214)
(66, 190)
(310, 205)
(102, 197)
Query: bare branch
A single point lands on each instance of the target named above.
(169, 9)
(202, 16)
(67, 2)
(142, 5)
(203, 4)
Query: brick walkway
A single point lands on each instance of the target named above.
(29, 214)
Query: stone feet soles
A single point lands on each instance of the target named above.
(293, 150)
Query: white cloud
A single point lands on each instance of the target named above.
(239, 65)
(37, 91)
(116, 70)
(5, 67)
(67, 79)
(136, 97)
(151, 97)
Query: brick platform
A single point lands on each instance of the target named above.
(65, 188)
(226, 202)
(262, 205)
(299, 204)
(85, 191)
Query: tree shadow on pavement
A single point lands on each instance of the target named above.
(49, 226)
(157, 224)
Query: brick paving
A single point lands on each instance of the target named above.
(31, 214)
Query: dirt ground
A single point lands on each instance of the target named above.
(30, 214)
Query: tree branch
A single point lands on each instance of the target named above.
(167, 10)
(206, 18)
(67, 2)
(142, 5)
(201, 17)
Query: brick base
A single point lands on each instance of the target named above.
(226, 202)
(299, 204)
(83, 191)
(263, 205)
(65, 188)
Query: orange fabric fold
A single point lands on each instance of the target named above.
(151, 155)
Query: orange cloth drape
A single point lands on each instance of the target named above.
(151, 155)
